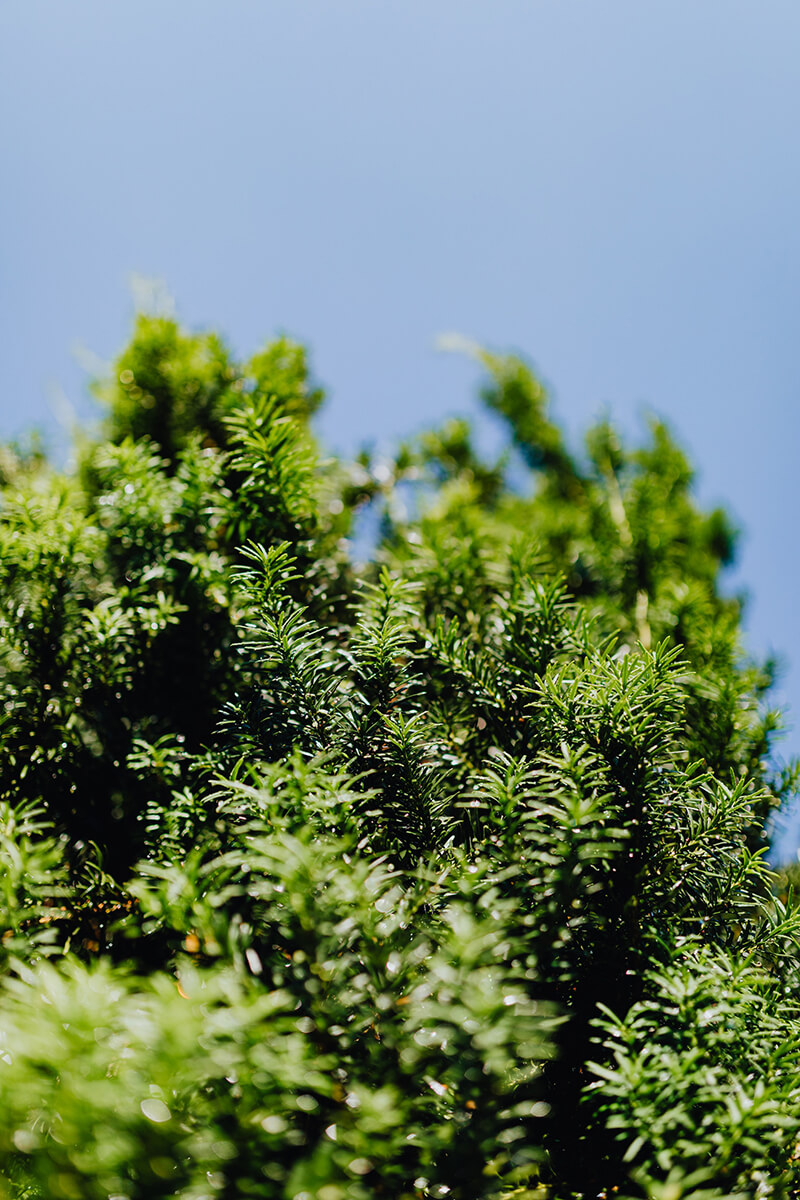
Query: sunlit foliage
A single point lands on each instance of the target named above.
(438, 877)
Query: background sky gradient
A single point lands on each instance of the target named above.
(611, 188)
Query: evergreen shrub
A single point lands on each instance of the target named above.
(439, 876)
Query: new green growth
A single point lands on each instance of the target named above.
(436, 876)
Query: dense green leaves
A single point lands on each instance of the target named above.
(439, 877)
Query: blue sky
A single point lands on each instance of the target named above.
(612, 188)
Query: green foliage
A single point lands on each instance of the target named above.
(703, 1078)
(32, 880)
(441, 877)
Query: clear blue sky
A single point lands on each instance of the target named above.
(612, 187)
